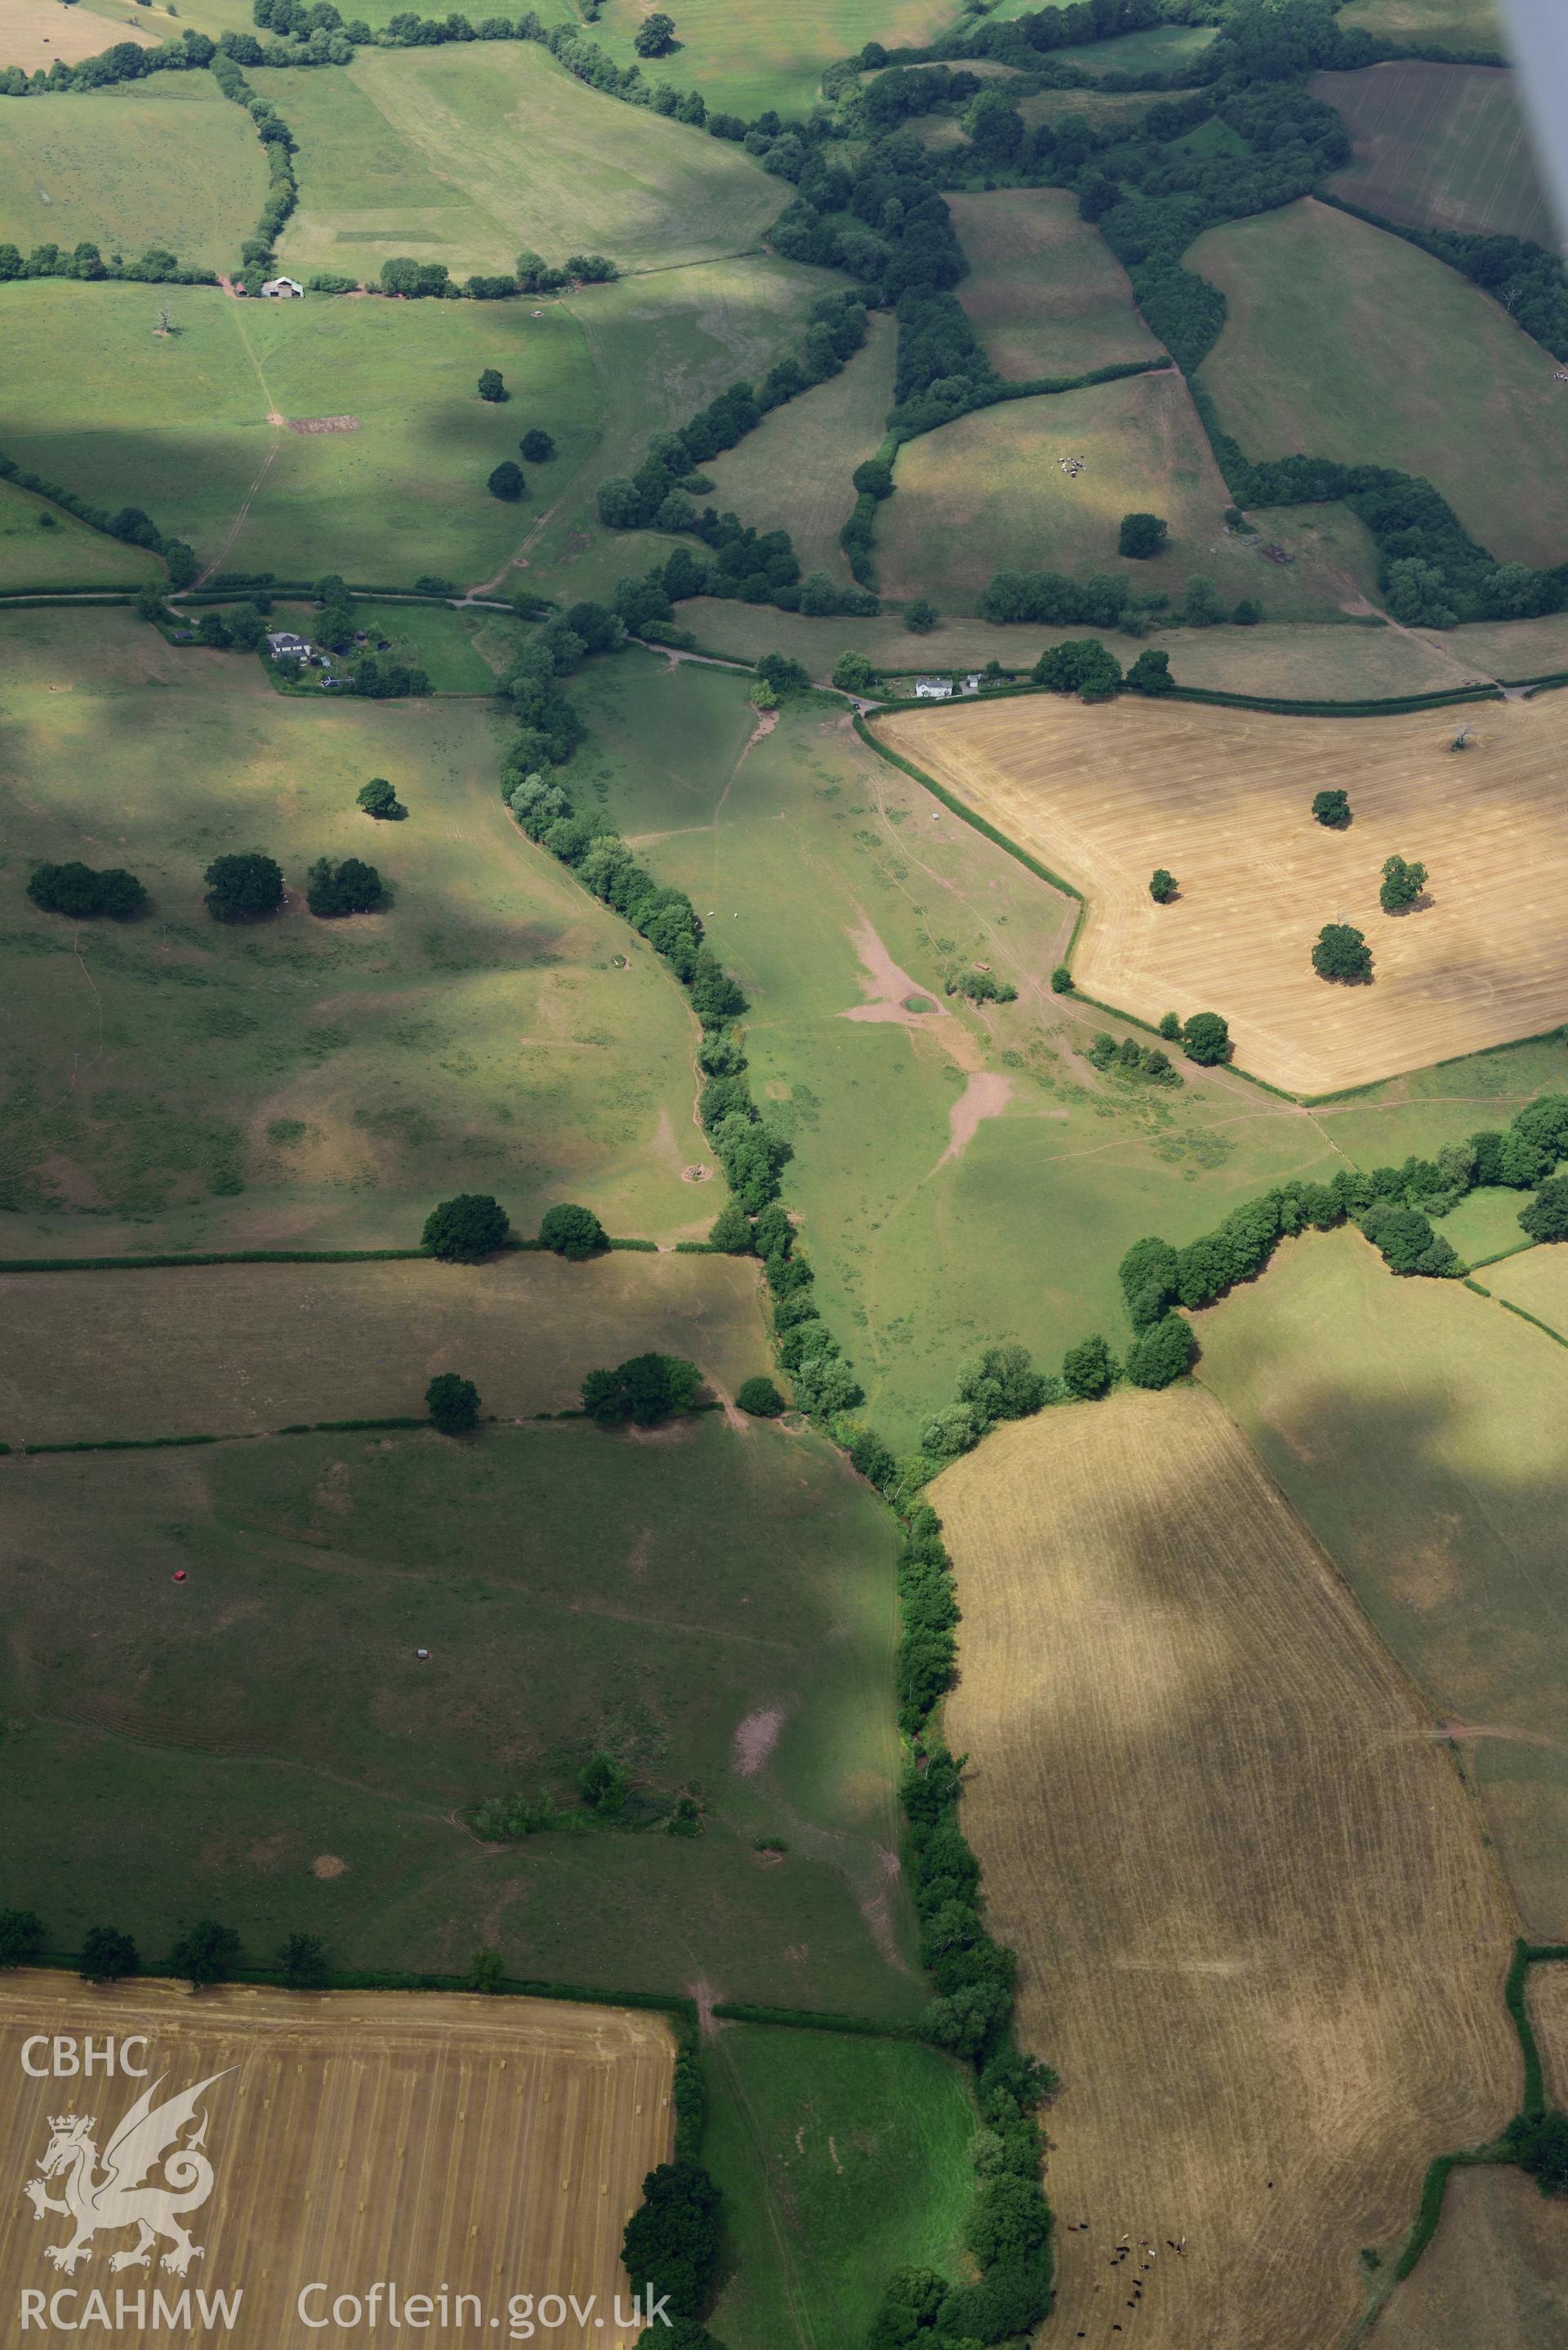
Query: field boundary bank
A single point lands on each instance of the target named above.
(517, 1245)
(676, 2003)
(1500, 2151)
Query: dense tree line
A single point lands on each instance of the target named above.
(82, 894)
(85, 261)
(757, 568)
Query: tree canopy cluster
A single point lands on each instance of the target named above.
(466, 1229)
(644, 1389)
(83, 894)
(1342, 952)
(346, 886)
(244, 887)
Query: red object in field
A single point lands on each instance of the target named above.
(178, 1575)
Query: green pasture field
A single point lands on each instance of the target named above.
(181, 1082)
(1417, 1429)
(840, 2160)
(96, 400)
(661, 346)
(246, 1349)
(63, 552)
(461, 650)
(474, 153)
(1045, 294)
(988, 494)
(118, 168)
(794, 471)
(652, 1596)
(932, 1230)
(748, 57)
(1440, 147)
(1457, 24)
(1484, 1224)
(1347, 343)
(1536, 1281)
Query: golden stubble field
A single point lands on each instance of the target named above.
(487, 2146)
(1259, 1935)
(1221, 798)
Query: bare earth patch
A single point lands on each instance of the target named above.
(328, 1864)
(324, 424)
(755, 1739)
(986, 1094)
(1223, 799)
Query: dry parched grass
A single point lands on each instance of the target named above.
(243, 1350)
(490, 2146)
(1223, 799)
(1258, 1932)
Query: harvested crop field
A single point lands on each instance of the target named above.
(1492, 2277)
(1440, 147)
(1344, 342)
(485, 2146)
(1045, 294)
(1222, 799)
(245, 1349)
(1259, 1935)
(1417, 1429)
(36, 32)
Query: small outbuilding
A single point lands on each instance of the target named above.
(282, 289)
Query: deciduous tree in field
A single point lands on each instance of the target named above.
(302, 1962)
(536, 446)
(604, 1786)
(1088, 1369)
(1062, 980)
(506, 482)
(1151, 674)
(572, 1231)
(378, 799)
(1141, 535)
(1402, 885)
(1331, 808)
(108, 1956)
(21, 1936)
(655, 35)
(1546, 1218)
(1162, 888)
(853, 673)
(1342, 952)
(491, 385)
(1162, 1353)
(206, 1954)
(351, 887)
(1081, 666)
(1205, 1038)
(242, 887)
(77, 891)
(921, 616)
(644, 1389)
(673, 2240)
(452, 1404)
(466, 1228)
(487, 1969)
(760, 1398)
(1170, 1027)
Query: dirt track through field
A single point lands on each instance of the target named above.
(1259, 1935)
(1223, 799)
(493, 2146)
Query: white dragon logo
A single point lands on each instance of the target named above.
(116, 2196)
